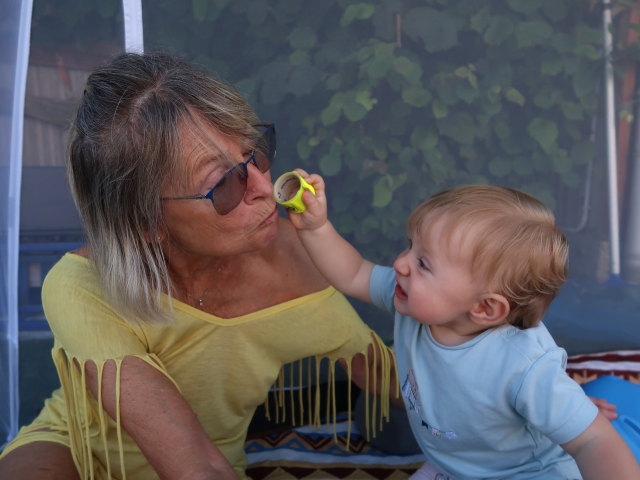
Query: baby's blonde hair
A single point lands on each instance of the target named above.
(515, 247)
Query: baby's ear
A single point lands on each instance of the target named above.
(491, 310)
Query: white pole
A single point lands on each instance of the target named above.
(133, 38)
(612, 155)
(13, 207)
(631, 242)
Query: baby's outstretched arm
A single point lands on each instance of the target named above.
(600, 452)
(343, 266)
(340, 263)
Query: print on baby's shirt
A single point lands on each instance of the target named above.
(412, 394)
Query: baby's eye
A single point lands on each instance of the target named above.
(409, 243)
(422, 264)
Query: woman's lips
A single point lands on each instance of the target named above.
(271, 217)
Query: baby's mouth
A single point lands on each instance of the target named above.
(399, 292)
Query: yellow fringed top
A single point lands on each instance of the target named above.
(223, 367)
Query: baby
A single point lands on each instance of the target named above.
(483, 382)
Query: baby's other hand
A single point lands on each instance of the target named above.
(316, 213)
(607, 409)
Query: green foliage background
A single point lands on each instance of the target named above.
(394, 100)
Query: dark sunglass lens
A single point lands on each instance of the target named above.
(270, 139)
(230, 190)
(262, 161)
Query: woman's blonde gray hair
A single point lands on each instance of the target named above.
(124, 145)
(513, 243)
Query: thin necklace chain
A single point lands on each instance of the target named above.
(200, 300)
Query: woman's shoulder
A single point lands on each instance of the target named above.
(71, 270)
(73, 260)
(82, 251)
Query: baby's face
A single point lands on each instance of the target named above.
(435, 284)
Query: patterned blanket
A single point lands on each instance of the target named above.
(308, 453)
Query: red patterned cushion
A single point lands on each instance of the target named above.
(621, 363)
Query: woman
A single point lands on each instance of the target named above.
(191, 294)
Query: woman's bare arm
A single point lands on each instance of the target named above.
(160, 421)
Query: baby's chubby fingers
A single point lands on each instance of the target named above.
(314, 179)
(317, 182)
(311, 201)
(316, 213)
(605, 408)
(302, 172)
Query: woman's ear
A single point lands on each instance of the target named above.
(491, 310)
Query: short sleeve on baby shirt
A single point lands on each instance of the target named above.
(551, 401)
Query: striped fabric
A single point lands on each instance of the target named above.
(621, 363)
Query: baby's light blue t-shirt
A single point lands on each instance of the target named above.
(497, 406)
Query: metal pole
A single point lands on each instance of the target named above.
(631, 241)
(133, 38)
(612, 156)
(12, 398)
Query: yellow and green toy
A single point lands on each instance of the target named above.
(288, 190)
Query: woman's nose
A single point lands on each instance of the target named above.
(258, 183)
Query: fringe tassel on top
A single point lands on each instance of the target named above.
(72, 374)
(73, 377)
(381, 359)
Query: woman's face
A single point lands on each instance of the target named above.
(193, 226)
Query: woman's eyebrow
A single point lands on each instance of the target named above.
(216, 165)
(201, 160)
(206, 157)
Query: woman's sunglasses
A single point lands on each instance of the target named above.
(230, 189)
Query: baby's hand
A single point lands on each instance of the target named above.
(316, 213)
(607, 409)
